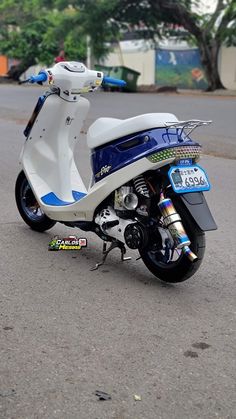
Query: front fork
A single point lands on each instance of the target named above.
(172, 221)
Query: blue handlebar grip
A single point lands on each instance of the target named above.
(41, 77)
(116, 82)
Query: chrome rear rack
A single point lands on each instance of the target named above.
(187, 126)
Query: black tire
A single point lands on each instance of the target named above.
(181, 269)
(28, 206)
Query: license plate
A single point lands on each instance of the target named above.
(188, 179)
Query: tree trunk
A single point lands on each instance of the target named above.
(209, 58)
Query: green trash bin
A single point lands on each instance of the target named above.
(127, 74)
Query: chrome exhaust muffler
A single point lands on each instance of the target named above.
(172, 220)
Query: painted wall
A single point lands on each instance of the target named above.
(171, 64)
(180, 68)
(141, 61)
(227, 67)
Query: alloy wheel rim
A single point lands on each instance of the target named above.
(29, 204)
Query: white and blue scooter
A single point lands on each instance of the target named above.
(145, 190)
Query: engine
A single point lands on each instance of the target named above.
(120, 220)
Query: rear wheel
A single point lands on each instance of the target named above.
(29, 208)
(179, 267)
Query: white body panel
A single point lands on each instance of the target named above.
(84, 209)
(48, 159)
(48, 154)
(104, 130)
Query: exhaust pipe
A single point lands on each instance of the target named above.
(188, 252)
(172, 220)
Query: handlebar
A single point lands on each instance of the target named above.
(40, 78)
(116, 82)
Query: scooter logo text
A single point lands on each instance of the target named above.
(104, 170)
(67, 243)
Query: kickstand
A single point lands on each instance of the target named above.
(105, 252)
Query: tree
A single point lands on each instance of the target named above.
(95, 19)
(23, 26)
(34, 31)
(208, 31)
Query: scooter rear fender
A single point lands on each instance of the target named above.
(197, 206)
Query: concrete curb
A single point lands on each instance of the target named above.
(192, 92)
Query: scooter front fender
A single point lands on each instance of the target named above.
(196, 205)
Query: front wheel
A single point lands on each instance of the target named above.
(28, 206)
(179, 268)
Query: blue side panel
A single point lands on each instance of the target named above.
(119, 153)
(78, 195)
(52, 199)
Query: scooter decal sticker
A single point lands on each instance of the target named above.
(103, 171)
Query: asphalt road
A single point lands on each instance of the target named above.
(66, 332)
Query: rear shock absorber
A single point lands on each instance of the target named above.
(141, 186)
